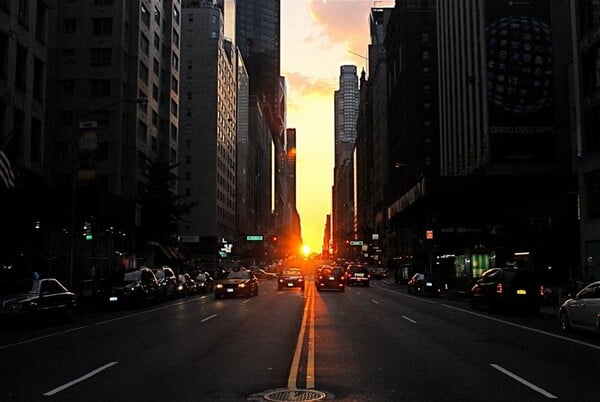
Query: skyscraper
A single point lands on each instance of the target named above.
(346, 101)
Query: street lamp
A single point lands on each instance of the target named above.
(76, 165)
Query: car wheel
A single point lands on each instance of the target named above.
(565, 326)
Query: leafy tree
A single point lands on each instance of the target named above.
(161, 207)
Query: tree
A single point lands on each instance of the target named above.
(161, 207)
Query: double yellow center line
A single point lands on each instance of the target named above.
(308, 321)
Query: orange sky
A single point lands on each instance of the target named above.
(316, 39)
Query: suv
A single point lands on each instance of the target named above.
(290, 278)
(421, 283)
(167, 282)
(507, 287)
(357, 275)
(137, 287)
(330, 277)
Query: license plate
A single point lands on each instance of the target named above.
(113, 299)
(521, 292)
(360, 275)
(332, 278)
(291, 284)
(230, 290)
(429, 284)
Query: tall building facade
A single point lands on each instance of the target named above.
(24, 33)
(208, 124)
(504, 130)
(586, 108)
(346, 101)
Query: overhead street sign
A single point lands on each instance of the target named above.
(356, 242)
(254, 237)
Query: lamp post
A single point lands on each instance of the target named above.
(76, 165)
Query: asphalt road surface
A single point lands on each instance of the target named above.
(367, 344)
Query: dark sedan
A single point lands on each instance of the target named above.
(507, 288)
(36, 299)
(236, 283)
(290, 278)
(424, 284)
(137, 287)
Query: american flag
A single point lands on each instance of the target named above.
(6, 172)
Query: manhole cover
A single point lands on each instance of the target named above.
(297, 395)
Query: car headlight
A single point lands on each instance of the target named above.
(242, 285)
(219, 286)
(180, 287)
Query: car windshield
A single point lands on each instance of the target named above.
(132, 276)
(238, 275)
(292, 272)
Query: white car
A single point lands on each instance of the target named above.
(582, 311)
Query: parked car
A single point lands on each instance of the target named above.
(290, 278)
(186, 286)
(262, 274)
(582, 311)
(425, 284)
(167, 282)
(240, 282)
(507, 287)
(379, 272)
(204, 282)
(137, 287)
(357, 275)
(330, 277)
(36, 299)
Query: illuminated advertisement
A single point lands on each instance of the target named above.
(520, 78)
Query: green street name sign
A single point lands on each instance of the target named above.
(254, 238)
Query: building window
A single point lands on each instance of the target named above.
(154, 144)
(40, 20)
(142, 131)
(175, 62)
(188, 175)
(155, 67)
(188, 193)
(175, 37)
(68, 87)
(70, 25)
(144, 44)
(23, 13)
(176, 15)
(101, 57)
(68, 56)
(145, 15)
(154, 119)
(21, 68)
(174, 107)
(38, 78)
(3, 55)
(188, 143)
(156, 41)
(173, 156)
(188, 160)
(143, 72)
(157, 15)
(174, 84)
(154, 92)
(173, 132)
(102, 26)
(100, 87)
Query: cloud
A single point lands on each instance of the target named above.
(303, 85)
(345, 21)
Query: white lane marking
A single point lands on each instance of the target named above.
(539, 331)
(245, 301)
(145, 312)
(409, 319)
(409, 296)
(80, 379)
(210, 317)
(39, 338)
(523, 381)
(375, 301)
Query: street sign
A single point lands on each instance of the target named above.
(254, 237)
(356, 242)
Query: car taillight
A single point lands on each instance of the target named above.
(542, 290)
(499, 289)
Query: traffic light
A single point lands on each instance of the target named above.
(87, 230)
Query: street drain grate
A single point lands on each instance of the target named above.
(297, 395)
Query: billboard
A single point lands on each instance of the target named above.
(520, 93)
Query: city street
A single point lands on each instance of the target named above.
(366, 344)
